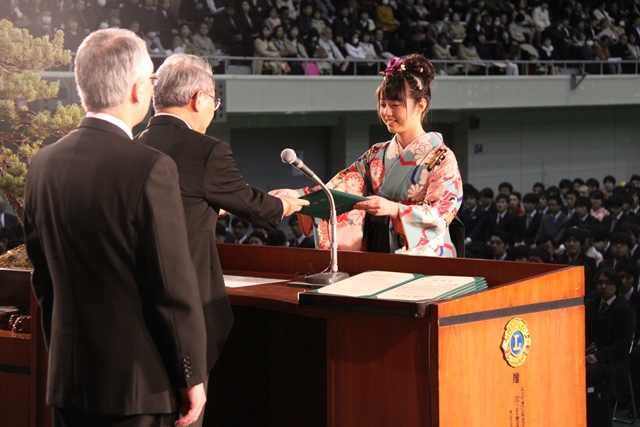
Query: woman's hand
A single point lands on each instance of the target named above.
(285, 192)
(379, 206)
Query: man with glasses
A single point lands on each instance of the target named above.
(106, 235)
(185, 102)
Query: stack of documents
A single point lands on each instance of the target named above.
(387, 285)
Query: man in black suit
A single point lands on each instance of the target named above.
(106, 234)
(618, 217)
(299, 240)
(529, 223)
(185, 102)
(555, 222)
(473, 218)
(582, 216)
(502, 219)
(610, 324)
(573, 241)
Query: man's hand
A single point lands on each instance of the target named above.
(379, 206)
(591, 359)
(193, 400)
(291, 205)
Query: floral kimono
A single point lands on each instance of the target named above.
(422, 179)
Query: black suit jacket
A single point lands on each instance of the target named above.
(611, 332)
(120, 308)
(210, 181)
(528, 234)
(508, 223)
(474, 223)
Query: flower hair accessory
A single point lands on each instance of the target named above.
(393, 66)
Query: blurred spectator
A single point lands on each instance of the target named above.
(616, 216)
(299, 239)
(167, 23)
(541, 20)
(285, 18)
(456, 29)
(507, 50)
(42, 25)
(227, 31)
(529, 223)
(547, 52)
(539, 256)
(264, 47)
(276, 238)
(182, 43)
(606, 30)
(295, 48)
(442, 51)
(256, 238)
(365, 24)
(555, 223)
(73, 35)
(597, 205)
(385, 19)
(249, 23)
(204, 45)
(343, 25)
(130, 10)
(326, 8)
(467, 51)
(356, 51)
(192, 11)
(381, 45)
(272, 20)
(582, 216)
(331, 51)
(318, 22)
(514, 203)
(499, 242)
(304, 20)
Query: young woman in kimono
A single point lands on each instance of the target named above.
(412, 181)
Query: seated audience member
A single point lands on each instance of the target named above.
(486, 200)
(582, 215)
(369, 51)
(569, 196)
(545, 242)
(318, 23)
(555, 222)
(256, 238)
(547, 52)
(543, 209)
(507, 50)
(227, 31)
(574, 255)
(221, 233)
(285, 15)
(299, 239)
(239, 228)
(332, 51)
(603, 53)
(616, 216)
(264, 48)
(628, 272)
(502, 219)
(204, 45)
(249, 22)
(539, 256)
(442, 51)
(538, 188)
(342, 24)
(295, 48)
(276, 238)
(598, 210)
(521, 253)
(457, 28)
(355, 50)
(505, 188)
(589, 248)
(381, 44)
(473, 217)
(182, 43)
(514, 203)
(619, 249)
(467, 52)
(167, 23)
(73, 34)
(609, 326)
(499, 242)
(272, 20)
(385, 18)
(365, 24)
(529, 223)
(633, 230)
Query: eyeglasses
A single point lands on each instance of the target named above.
(154, 79)
(216, 101)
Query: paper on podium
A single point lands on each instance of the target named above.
(319, 206)
(367, 284)
(433, 288)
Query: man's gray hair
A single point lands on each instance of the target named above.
(107, 65)
(179, 78)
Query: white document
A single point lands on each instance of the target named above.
(365, 284)
(241, 281)
(426, 288)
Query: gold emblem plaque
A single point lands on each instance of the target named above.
(515, 342)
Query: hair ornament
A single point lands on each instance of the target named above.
(393, 66)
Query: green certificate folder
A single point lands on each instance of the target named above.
(319, 203)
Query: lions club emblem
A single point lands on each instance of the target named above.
(515, 342)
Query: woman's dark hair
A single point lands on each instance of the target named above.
(417, 72)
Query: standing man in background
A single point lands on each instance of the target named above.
(106, 235)
(185, 101)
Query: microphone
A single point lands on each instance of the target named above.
(333, 275)
(289, 156)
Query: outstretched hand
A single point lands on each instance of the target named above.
(284, 192)
(379, 206)
(291, 205)
(193, 400)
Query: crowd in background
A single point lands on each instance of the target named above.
(488, 34)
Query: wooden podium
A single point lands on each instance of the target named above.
(357, 362)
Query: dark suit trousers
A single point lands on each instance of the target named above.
(70, 418)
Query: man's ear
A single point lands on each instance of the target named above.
(197, 101)
(136, 92)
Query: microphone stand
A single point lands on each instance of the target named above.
(333, 275)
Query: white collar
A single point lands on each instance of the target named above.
(113, 120)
